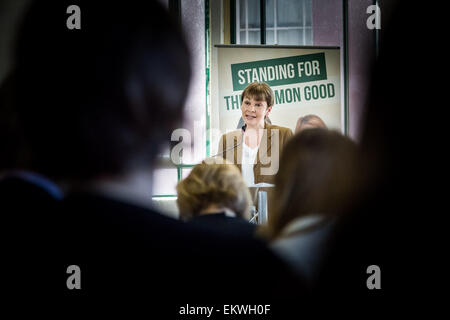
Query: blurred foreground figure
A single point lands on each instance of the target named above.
(313, 190)
(97, 104)
(398, 170)
(309, 121)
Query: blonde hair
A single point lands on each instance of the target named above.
(213, 184)
(260, 91)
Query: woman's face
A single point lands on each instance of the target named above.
(254, 111)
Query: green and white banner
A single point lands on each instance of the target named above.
(281, 71)
(304, 80)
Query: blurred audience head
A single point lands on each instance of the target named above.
(213, 188)
(100, 100)
(316, 176)
(309, 121)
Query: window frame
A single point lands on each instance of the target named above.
(237, 23)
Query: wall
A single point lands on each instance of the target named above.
(361, 56)
(193, 23)
(328, 30)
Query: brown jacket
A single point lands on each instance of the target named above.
(267, 162)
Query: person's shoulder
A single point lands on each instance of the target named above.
(283, 130)
(232, 133)
(122, 216)
(230, 137)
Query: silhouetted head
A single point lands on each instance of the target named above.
(102, 99)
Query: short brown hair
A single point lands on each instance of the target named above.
(259, 91)
(213, 184)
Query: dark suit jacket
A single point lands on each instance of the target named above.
(33, 242)
(267, 161)
(125, 250)
(228, 225)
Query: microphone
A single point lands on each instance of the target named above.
(228, 149)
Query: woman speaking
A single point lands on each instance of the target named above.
(256, 147)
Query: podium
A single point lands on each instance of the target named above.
(260, 194)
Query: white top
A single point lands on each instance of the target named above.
(248, 161)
